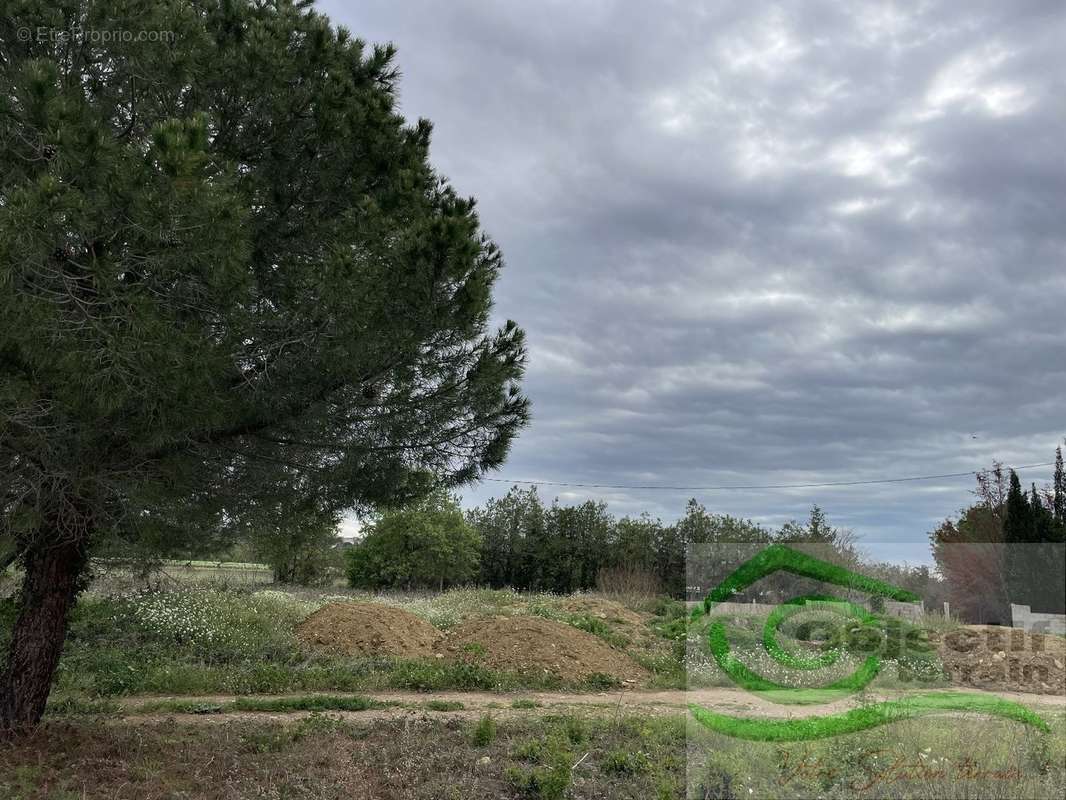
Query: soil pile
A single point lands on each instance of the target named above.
(622, 620)
(1005, 659)
(536, 645)
(368, 629)
(607, 610)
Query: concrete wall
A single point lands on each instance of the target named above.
(912, 611)
(1036, 622)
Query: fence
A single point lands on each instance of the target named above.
(1036, 622)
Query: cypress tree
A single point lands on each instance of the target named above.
(1059, 489)
(1018, 524)
(1017, 530)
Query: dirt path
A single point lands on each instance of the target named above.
(475, 704)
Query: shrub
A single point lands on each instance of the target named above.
(575, 730)
(619, 762)
(485, 731)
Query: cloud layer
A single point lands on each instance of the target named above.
(763, 243)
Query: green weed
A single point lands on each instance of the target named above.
(444, 705)
(484, 732)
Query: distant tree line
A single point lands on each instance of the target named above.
(1008, 547)
(518, 541)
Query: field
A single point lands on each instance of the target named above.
(229, 573)
(221, 690)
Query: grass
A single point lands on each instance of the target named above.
(444, 705)
(600, 628)
(584, 755)
(867, 716)
(310, 703)
(323, 757)
(260, 704)
(212, 639)
(620, 756)
(932, 758)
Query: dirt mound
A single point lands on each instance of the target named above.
(533, 644)
(368, 629)
(1004, 659)
(607, 610)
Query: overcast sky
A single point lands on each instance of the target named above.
(762, 243)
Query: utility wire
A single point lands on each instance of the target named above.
(764, 486)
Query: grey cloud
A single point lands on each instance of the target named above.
(763, 243)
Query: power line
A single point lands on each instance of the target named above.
(763, 486)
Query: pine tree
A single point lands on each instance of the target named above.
(818, 528)
(227, 271)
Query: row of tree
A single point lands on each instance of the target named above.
(521, 542)
(1008, 547)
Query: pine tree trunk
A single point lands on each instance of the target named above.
(49, 589)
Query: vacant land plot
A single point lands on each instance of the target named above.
(196, 640)
(225, 691)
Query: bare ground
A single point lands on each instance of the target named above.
(406, 705)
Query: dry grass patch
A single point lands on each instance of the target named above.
(324, 758)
